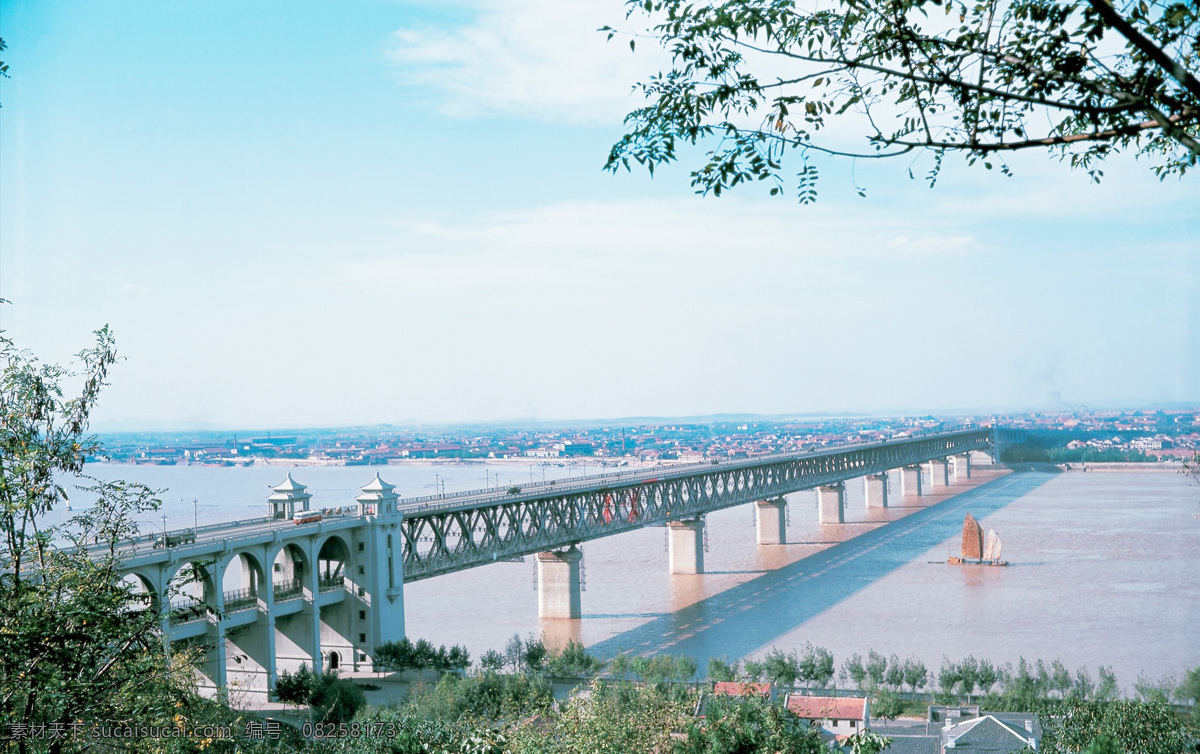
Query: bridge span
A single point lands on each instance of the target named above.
(265, 595)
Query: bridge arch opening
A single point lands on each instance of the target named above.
(192, 590)
(333, 560)
(142, 592)
(288, 571)
(242, 581)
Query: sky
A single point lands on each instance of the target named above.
(314, 214)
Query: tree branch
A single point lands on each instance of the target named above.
(1048, 141)
(1151, 50)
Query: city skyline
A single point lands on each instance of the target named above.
(292, 215)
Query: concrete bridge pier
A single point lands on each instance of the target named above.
(686, 545)
(939, 472)
(250, 652)
(876, 490)
(215, 656)
(910, 480)
(770, 517)
(831, 503)
(962, 467)
(558, 583)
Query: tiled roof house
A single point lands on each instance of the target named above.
(836, 715)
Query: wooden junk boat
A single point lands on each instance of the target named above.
(976, 548)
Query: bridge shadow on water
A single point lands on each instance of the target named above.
(744, 618)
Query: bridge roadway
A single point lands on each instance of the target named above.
(337, 584)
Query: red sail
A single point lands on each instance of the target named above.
(972, 539)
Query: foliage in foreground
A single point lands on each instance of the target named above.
(77, 646)
(765, 80)
(487, 696)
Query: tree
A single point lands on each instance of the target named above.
(781, 669)
(895, 673)
(876, 668)
(768, 79)
(294, 688)
(968, 675)
(819, 660)
(854, 670)
(721, 670)
(573, 662)
(1189, 689)
(948, 677)
(514, 653)
(867, 742)
(618, 666)
(534, 656)
(1159, 691)
(752, 670)
(1060, 678)
(1144, 727)
(987, 676)
(491, 661)
(749, 724)
(610, 719)
(78, 643)
(458, 658)
(916, 675)
(1083, 688)
(886, 705)
(1107, 689)
(334, 699)
(395, 655)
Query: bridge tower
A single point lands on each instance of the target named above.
(381, 542)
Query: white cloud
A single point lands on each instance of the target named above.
(537, 58)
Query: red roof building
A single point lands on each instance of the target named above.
(839, 715)
(733, 688)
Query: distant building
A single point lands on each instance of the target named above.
(578, 449)
(736, 688)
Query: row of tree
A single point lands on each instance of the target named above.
(812, 668)
(405, 655)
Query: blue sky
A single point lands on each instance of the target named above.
(302, 213)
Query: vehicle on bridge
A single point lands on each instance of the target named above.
(306, 517)
(185, 537)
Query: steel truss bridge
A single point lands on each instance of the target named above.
(453, 537)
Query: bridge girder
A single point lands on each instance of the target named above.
(440, 541)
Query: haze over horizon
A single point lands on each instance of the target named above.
(300, 215)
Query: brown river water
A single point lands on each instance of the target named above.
(1104, 570)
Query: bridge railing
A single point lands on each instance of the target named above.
(240, 599)
(288, 590)
(186, 611)
(331, 583)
